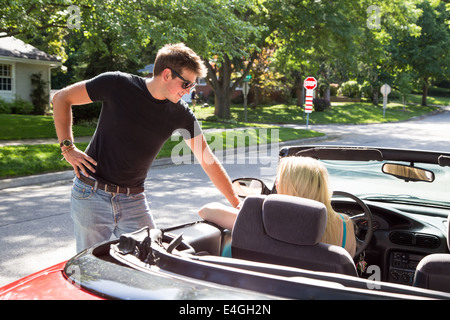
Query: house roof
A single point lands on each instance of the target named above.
(15, 48)
(147, 69)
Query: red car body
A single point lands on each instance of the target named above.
(47, 284)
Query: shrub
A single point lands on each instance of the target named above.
(395, 95)
(21, 106)
(5, 107)
(334, 89)
(38, 95)
(18, 106)
(351, 89)
(321, 105)
(86, 113)
(366, 90)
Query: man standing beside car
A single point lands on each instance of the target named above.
(137, 117)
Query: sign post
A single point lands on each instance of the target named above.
(310, 84)
(245, 90)
(385, 90)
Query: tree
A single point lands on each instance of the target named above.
(226, 35)
(41, 23)
(380, 26)
(427, 53)
(314, 39)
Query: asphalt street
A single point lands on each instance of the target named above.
(36, 230)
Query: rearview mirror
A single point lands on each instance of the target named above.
(249, 186)
(408, 173)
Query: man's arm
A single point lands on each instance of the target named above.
(63, 100)
(213, 168)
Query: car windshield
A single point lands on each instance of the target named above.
(366, 180)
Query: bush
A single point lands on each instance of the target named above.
(5, 107)
(38, 95)
(86, 113)
(20, 106)
(395, 95)
(351, 89)
(366, 90)
(334, 89)
(320, 105)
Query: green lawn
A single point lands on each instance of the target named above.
(339, 113)
(16, 126)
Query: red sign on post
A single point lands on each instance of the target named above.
(310, 84)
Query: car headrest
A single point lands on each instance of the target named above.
(294, 220)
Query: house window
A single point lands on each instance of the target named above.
(5, 77)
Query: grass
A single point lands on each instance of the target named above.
(443, 100)
(31, 159)
(357, 113)
(25, 160)
(15, 126)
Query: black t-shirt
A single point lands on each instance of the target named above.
(132, 128)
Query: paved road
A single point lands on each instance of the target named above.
(35, 224)
(427, 133)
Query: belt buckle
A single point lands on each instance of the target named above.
(111, 188)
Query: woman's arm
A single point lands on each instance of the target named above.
(220, 214)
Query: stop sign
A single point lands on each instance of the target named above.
(310, 83)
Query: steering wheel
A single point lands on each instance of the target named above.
(361, 245)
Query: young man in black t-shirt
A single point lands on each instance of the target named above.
(137, 117)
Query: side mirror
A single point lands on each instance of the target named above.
(408, 173)
(249, 186)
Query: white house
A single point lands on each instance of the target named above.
(18, 61)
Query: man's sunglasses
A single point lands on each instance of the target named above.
(186, 84)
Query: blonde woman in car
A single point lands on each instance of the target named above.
(302, 177)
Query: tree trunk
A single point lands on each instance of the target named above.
(222, 103)
(327, 94)
(425, 91)
(220, 81)
(375, 95)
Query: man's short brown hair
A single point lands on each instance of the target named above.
(178, 56)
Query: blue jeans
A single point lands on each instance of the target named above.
(98, 215)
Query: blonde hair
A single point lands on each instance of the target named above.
(308, 178)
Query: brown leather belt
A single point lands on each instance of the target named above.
(110, 187)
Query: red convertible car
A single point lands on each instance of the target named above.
(399, 203)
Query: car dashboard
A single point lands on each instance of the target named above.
(402, 236)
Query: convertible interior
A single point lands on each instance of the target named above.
(402, 243)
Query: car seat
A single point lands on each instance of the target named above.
(433, 271)
(287, 230)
